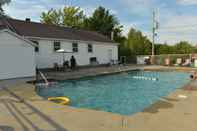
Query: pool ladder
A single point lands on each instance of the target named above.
(44, 78)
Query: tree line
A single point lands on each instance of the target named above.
(102, 21)
(106, 23)
(182, 47)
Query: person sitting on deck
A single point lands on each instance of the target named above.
(66, 65)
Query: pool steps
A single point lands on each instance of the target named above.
(145, 78)
(46, 82)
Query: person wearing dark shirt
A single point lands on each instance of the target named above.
(73, 62)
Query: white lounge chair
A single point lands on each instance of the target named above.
(187, 62)
(178, 62)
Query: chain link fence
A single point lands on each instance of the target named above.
(169, 59)
(164, 59)
(173, 59)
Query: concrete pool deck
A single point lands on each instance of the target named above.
(22, 109)
(89, 72)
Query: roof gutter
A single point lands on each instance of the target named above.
(8, 25)
(18, 36)
(69, 40)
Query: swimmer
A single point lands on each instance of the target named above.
(192, 77)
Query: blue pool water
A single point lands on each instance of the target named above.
(119, 93)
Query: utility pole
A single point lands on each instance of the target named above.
(153, 35)
(154, 28)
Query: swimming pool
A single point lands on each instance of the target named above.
(120, 93)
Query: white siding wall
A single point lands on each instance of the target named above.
(46, 57)
(16, 57)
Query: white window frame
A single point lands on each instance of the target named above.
(55, 46)
(90, 50)
(75, 49)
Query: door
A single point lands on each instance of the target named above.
(110, 55)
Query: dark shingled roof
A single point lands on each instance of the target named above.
(33, 29)
(2, 27)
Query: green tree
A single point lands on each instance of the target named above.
(3, 2)
(69, 16)
(138, 44)
(52, 17)
(118, 37)
(73, 17)
(103, 22)
(184, 47)
(162, 49)
(123, 49)
(157, 47)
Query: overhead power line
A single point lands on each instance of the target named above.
(175, 27)
(183, 30)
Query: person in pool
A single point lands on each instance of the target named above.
(193, 77)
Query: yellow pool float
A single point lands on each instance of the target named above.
(60, 100)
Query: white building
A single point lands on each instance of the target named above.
(86, 46)
(17, 57)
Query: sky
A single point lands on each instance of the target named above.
(177, 18)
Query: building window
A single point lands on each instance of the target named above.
(57, 45)
(37, 46)
(75, 47)
(90, 48)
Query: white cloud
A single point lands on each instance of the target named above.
(168, 18)
(128, 25)
(139, 7)
(137, 2)
(21, 9)
(126, 28)
(88, 10)
(179, 28)
(187, 2)
(34, 12)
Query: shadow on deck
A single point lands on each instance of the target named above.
(22, 118)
